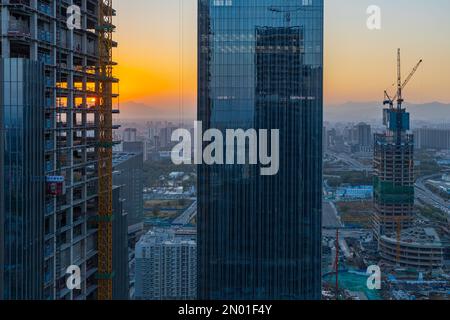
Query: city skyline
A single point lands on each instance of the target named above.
(94, 205)
(358, 62)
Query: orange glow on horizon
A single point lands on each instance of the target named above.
(157, 53)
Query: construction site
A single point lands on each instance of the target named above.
(75, 93)
(411, 251)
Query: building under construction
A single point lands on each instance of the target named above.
(420, 248)
(57, 97)
(394, 180)
(394, 166)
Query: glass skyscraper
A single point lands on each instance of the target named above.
(22, 183)
(261, 66)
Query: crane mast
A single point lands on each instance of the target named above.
(105, 30)
(399, 81)
(287, 12)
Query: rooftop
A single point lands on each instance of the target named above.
(120, 157)
(420, 236)
(168, 236)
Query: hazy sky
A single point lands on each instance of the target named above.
(157, 51)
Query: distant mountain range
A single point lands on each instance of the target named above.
(347, 112)
(367, 111)
(143, 112)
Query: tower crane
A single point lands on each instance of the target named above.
(287, 11)
(400, 86)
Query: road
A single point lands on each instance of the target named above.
(187, 215)
(353, 163)
(348, 233)
(430, 198)
(330, 218)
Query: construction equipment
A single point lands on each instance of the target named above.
(400, 86)
(105, 143)
(287, 12)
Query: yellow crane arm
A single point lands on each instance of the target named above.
(408, 79)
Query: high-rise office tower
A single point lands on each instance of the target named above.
(364, 135)
(50, 127)
(431, 138)
(260, 66)
(22, 190)
(128, 173)
(130, 135)
(121, 282)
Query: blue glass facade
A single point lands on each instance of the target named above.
(36, 30)
(120, 246)
(22, 179)
(261, 66)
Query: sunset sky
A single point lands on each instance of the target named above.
(157, 53)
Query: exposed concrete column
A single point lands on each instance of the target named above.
(34, 32)
(5, 28)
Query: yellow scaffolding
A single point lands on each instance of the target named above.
(105, 144)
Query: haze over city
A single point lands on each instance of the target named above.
(157, 54)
